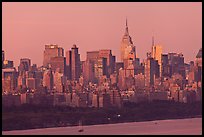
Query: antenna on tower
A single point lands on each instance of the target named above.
(153, 38)
(126, 22)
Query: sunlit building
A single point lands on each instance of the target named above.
(157, 55)
(51, 51)
(48, 79)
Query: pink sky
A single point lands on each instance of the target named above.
(27, 27)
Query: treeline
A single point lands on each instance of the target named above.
(33, 116)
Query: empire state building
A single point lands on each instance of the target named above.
(128, 50)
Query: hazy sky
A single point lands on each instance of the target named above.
(27, 27)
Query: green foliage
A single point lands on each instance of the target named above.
(33, 116)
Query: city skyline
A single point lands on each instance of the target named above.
(90, 33)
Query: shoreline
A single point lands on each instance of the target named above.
(181, 124)
(167, 119)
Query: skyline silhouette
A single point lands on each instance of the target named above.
(94, 26)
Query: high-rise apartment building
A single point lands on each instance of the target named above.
(52, 51)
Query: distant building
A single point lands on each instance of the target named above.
(139, 81)
(165, 66)
(75, 63)
(25, 64)
(32, 83)
(58, 63)
(7, 64)
(127, 47)
(104, 101)
(68, 64)
(9, 79)
(118, 66)
(107, 54)
(3, 56)
(176, 64)
(100, 68)
(48, 79)
(151, 71)
(59, 81)
(51, 51)
(157, 55)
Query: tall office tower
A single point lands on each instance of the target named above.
(76, 64)
(3, 55)
(165, 66)
(91, 60)
(198, 64)
(128, 50)
(48, 79)
(24, 65)
(151, 71)
(3, 58)
(58, 63)
(100, 68)
(176, 64)
(198, 60)
(52, 51)
(9, 79)
(59, 81)
(107, 53)
(157, 55)
(68, 65)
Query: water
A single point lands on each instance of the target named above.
(191, 126)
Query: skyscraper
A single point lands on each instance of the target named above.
(128, 50)
(58, 63)
(52, 51)
(25, 64)
(107, 53)
(100, 67)
(157, 55)
(48, 79)
(9, 79)
(68, 64)
(151, 71)
(176, 64)
(75, 61)
(3, 56)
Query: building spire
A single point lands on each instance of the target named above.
(126, 23)
(152, 40)
(126, 29)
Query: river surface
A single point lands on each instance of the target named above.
(191, 126)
